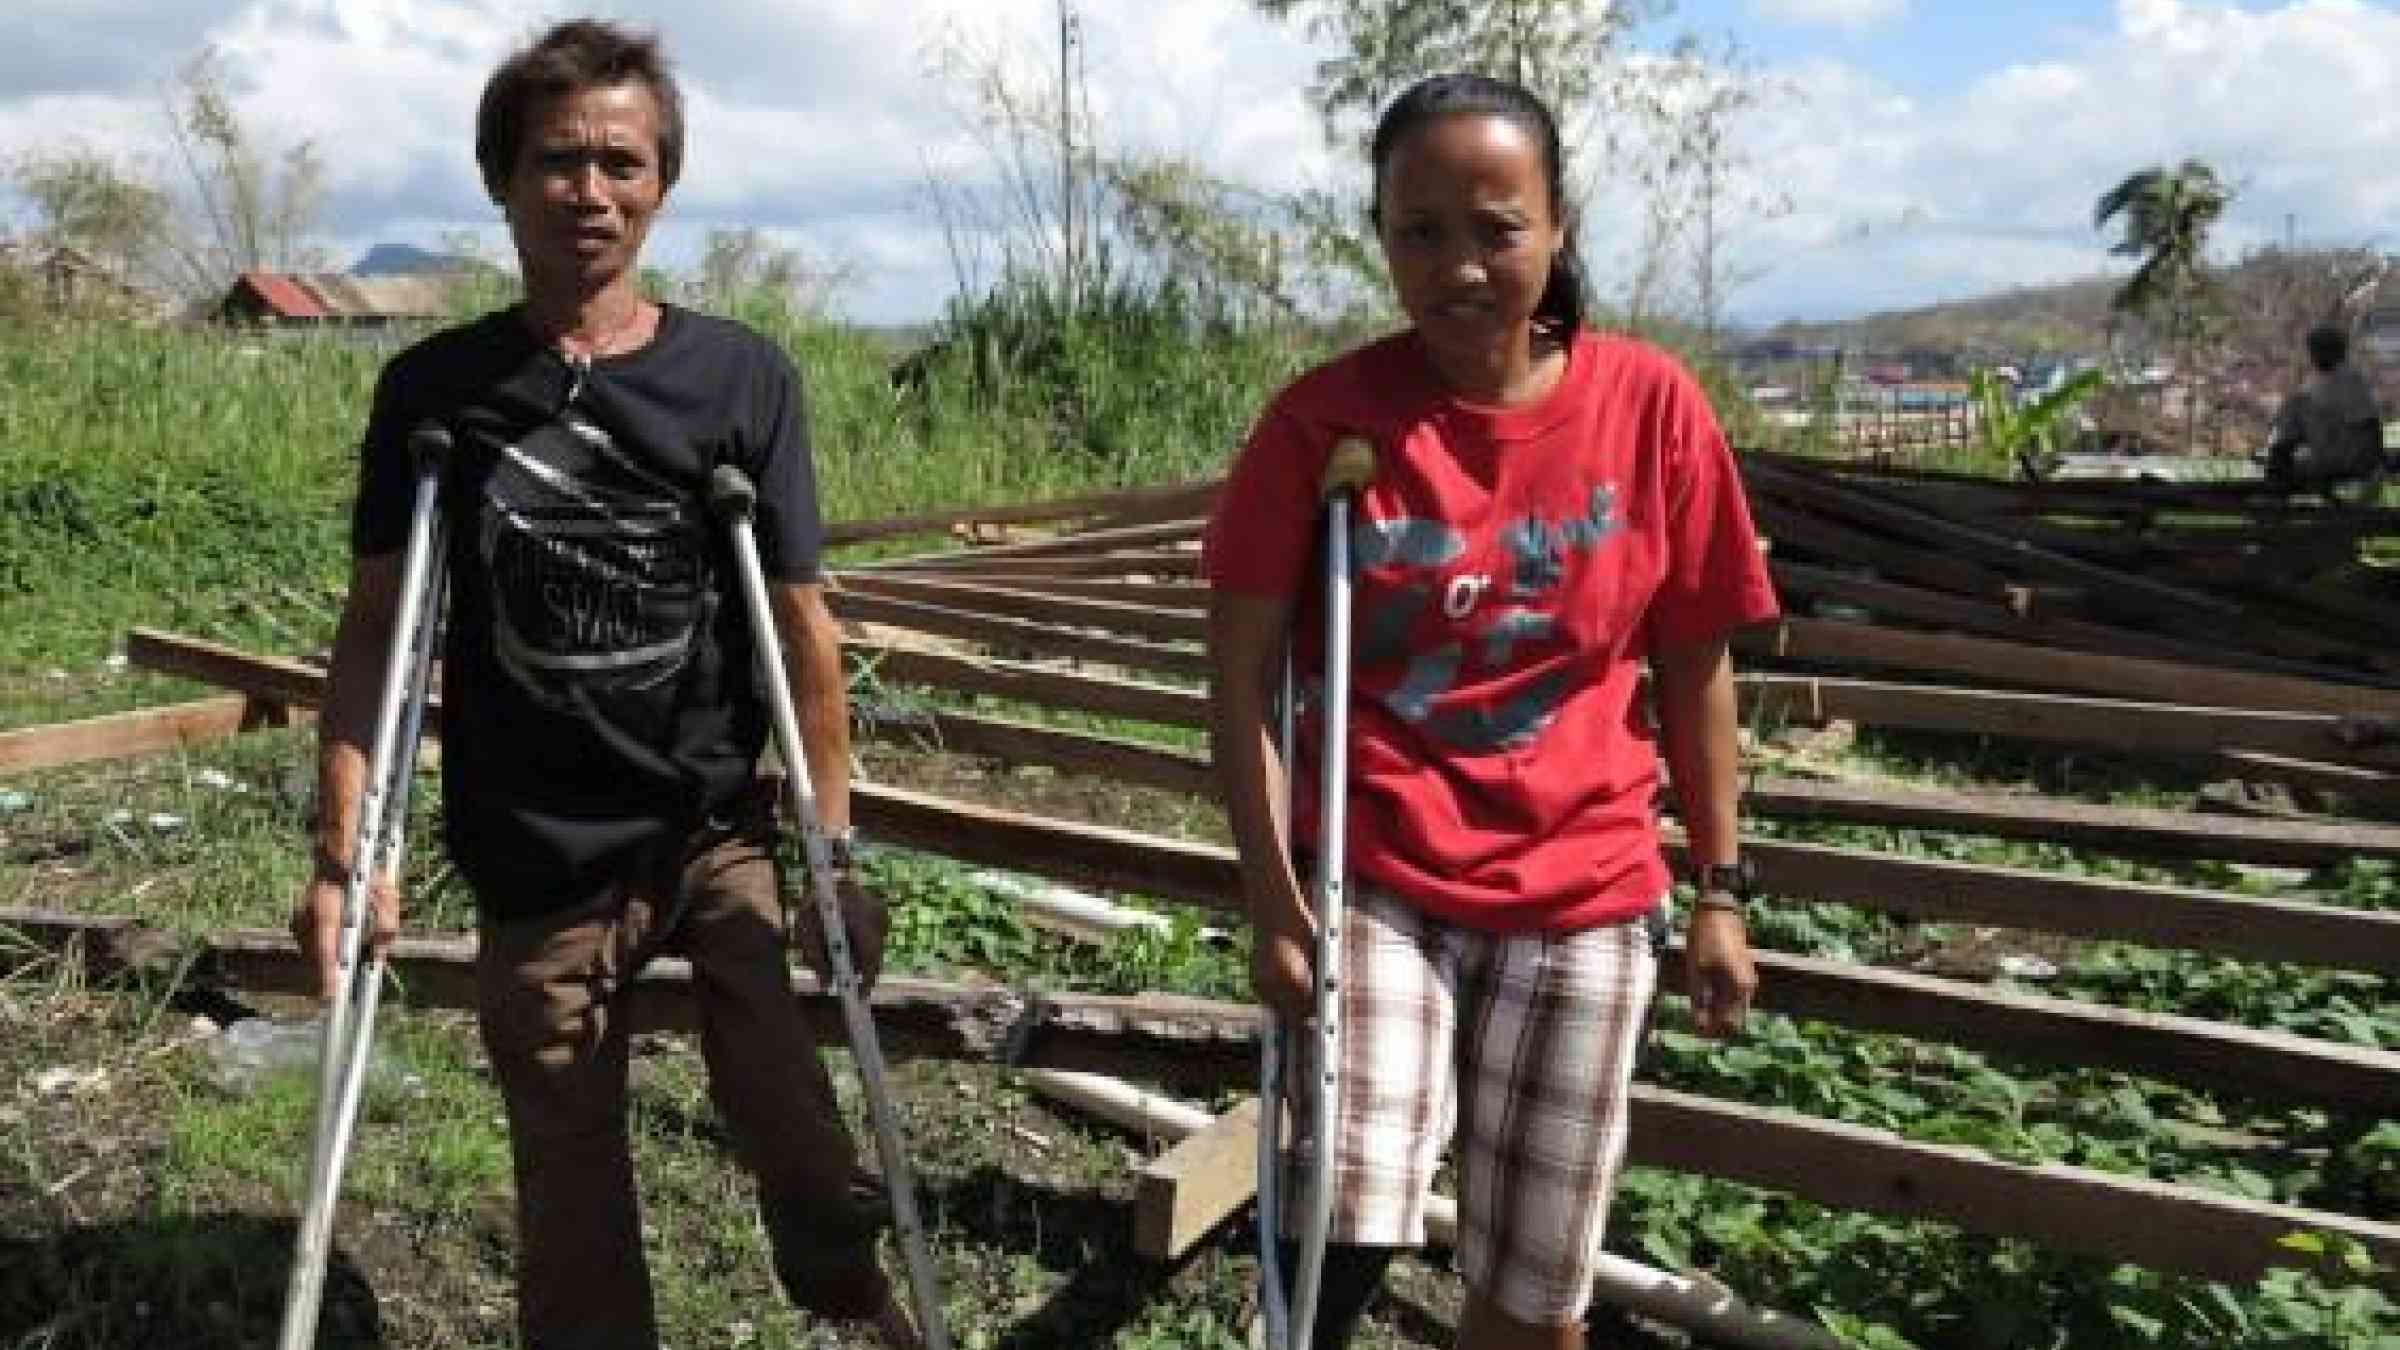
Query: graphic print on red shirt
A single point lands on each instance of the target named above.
(1514, 568)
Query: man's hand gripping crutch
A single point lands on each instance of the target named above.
(372, 869)
(735, 500)
(1308, 1058)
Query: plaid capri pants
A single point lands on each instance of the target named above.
(1521, 1044)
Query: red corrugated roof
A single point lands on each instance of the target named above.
(284, 296)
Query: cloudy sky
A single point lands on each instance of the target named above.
(1930, 149)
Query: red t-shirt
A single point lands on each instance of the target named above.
(1515, 566)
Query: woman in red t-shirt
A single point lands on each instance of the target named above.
(1551, 511)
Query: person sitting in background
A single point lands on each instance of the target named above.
(2330, 429)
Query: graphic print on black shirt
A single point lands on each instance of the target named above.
(596, 567)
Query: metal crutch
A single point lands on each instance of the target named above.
(735, 501)
(376, 845)
(1292, 1324)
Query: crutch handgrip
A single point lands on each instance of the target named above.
(1351, 467)
(731, 495)
(429, 446)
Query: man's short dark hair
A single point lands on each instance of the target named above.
(2328, 346)
(578, 54)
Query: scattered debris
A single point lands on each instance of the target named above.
(2017, 966)
(65, 1082)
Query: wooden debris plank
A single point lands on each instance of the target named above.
(2253, 928)
(1161, 594)
(302, 685)
(1862, 644)
(2117, 1218)
(1181, 1196)
(2029, 614)
(1140, 563)
(1150, 621)
(2325, 601)
(2067, 495)
(121, 735)
(1122, 860)
(1917, 604)
(1882, 510)
(1877, 508)
(1156, 1037)
(2263, 1066)
(2111, 724)
(2358, 786)
(1084, 544)
(1107, 696)
(267, 677)
(2113, 829)
(1117, 758)
(2202, 1054)
(2107, 829)
(1838, 542)
(1018, 634)
(2128, 726)
(1102, 857)
(1181, 500)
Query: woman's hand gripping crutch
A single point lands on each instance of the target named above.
(735, 501)
(376, 851)
(1313, 1067)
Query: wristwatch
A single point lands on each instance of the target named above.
(841, 849)
(1727, 886)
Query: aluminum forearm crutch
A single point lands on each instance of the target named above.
(735, 500)
(376, 843)
(1290, 1326)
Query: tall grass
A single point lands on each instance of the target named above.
(199, 479)
(171, 477)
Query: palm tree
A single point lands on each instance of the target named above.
(2166, 215)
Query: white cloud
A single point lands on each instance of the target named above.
(1852, 14)
(819, 123)
(1913, 199)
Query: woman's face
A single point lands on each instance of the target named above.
(1469, 231)
(585, 186)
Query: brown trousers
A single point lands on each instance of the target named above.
(558, 1039)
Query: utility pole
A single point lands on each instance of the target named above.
(1070, 267)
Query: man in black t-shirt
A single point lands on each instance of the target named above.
(601, 718)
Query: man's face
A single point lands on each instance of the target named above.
(585, 186)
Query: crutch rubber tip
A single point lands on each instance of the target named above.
(730, 494)
(429, 445)
(1351, 466)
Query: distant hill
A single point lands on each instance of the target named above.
(2273, 291)
(407, 260)
(2063, 318)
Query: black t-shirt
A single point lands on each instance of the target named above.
(599, 688)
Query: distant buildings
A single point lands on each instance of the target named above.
(334, 300)
(64, 278)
